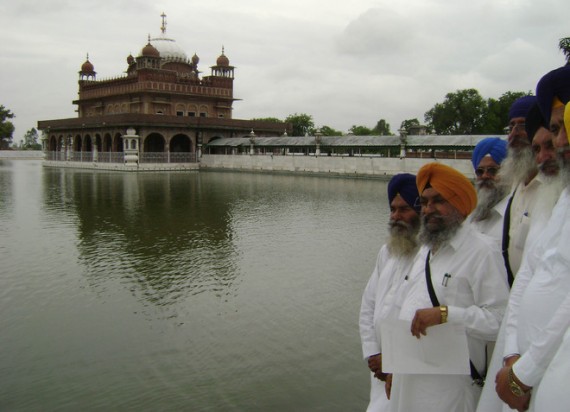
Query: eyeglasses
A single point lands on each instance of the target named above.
(491, 171)
(519, 126)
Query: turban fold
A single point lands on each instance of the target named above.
(404, 184)
(494, 146)
(554, 84)
(449, 183)
(521, 106)
(534, 121)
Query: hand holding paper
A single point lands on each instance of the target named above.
(442, 351)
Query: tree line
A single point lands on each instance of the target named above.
(461, 112)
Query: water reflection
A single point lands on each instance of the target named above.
(161, 235)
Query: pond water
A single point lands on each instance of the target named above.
(198, 291)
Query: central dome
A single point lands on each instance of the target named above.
(168, 49)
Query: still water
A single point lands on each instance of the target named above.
(196, 291)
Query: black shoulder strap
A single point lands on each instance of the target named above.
(506, 240)
(431, 291)
(475, 375)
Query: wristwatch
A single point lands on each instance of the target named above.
(514, 386)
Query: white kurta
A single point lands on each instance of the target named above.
(551, 395)
(468, 276)
(382, 298)
(522, 210)
(493, 225)
(539, 306)
(489, 401)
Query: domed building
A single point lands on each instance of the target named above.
(162, 97)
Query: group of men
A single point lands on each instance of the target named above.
(493, 259)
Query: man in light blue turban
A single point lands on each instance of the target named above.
(491, 194)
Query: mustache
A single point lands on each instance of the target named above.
(399, 223)
(486, 183)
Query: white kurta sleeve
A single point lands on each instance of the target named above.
(533, 363)
(488, 283)
(370, 345)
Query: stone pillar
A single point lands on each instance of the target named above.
(67, 147)
(131, 148)
(95, 152)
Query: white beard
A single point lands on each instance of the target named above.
(517, 166)
(487, 198)
(403, 239)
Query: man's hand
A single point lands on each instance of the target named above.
(375, 365)
(511, 360)
(425, 318)
(388, 385)
(520, 403)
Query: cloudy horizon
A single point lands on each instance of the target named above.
(344, 64)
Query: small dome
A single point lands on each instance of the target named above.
(130, 59)
(195, 59)
(150, 51)
(87, 67)
(223, 60)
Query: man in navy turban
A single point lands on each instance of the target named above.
(404, 184)
(491, 194)
(553, 91)
(539, 308)
(518, 171)
(389, 283)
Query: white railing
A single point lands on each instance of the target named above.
(119, 157)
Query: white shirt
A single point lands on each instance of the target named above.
(468, 275)
(539, 306)
(382, 298)
(522, 210)
(493, 225)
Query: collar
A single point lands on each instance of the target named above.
(461, 236)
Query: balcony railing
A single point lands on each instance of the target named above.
(119, 157)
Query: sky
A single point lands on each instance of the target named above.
(344, 63)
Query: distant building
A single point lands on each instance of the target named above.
(162, 98)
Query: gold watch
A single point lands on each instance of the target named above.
(514, 386)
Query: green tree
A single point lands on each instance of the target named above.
(6, 128)
(31, 140)
(496, 116)
(360, 131)
(382, 128)
(302, 124)
(406, 124)
(461, 113)
(329, 131)
(564, 46)
(267, 119)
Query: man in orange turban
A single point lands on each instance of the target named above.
(450, 184)
(459, 278)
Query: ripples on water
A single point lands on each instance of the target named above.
(184, 291)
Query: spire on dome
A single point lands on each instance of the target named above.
(163, 27)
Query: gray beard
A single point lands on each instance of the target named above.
(403, 241)
(517, 166)
(487, 199)
(439, 237)
(564, 174)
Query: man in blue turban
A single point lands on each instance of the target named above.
(491, 194)
(538, 318)
(389, 283)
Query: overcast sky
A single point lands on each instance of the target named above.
(345, 63)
